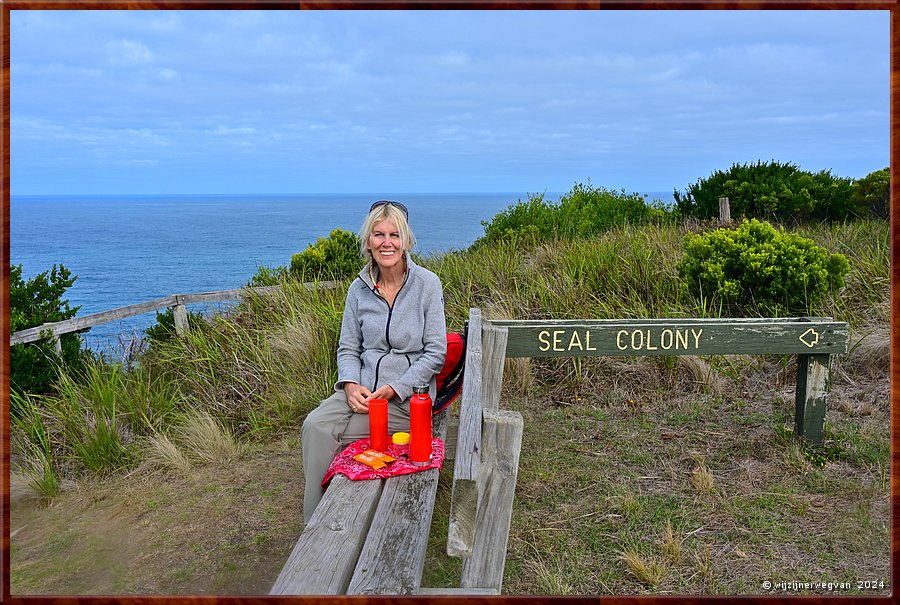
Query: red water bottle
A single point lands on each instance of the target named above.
(378, 424)
(420, 414)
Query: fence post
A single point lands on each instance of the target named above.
(57, 346)
(724, 211)
(179, 312)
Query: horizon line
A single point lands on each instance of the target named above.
(397, 193)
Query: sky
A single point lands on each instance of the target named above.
(278, 102)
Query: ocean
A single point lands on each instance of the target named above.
(126, 249)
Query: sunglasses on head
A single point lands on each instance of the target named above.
(380, 203)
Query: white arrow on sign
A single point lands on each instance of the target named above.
(812, 336)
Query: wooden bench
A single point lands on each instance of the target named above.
(371, 537)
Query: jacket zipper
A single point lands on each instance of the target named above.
(377, 367)
(387, 327)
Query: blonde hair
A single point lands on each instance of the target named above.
(393, 214)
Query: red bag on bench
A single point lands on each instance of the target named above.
(450, 378)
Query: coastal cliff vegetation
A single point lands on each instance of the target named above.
(639, 475)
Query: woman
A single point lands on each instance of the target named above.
(393, 337)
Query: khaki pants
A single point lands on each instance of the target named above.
(327, 430)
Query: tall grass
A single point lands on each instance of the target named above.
(32, 451)
(92, 421)
(94, 424)
(258, 369)
(866, 244)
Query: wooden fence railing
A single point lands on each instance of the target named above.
(177, 302)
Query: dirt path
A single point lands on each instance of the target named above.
(223, 531)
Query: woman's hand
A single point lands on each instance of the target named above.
(385, 392)
(357, 397)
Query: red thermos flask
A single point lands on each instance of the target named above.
(420, 413)
(378, 424)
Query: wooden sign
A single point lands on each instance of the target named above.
(641, 337)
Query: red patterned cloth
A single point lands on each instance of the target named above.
(346, 465)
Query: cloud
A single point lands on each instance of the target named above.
(830, 118)
(128, 52)
(453, 58)
(164, 21)
(223, 130)
(54, 71)
(450, 93)
(52, 132)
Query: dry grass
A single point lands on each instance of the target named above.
(161, 452)
(624, 502)
(671, 545)
(517, 374)
(650, 572)
(298, 340)
(204, 439)
(700, 372)
(870, 353)
(703, 562)
(32, 477)
(702, 479)
(23, 485)
(549, 581)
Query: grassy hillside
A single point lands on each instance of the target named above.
(646, 475)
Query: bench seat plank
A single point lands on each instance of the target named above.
(458, 592)
(323, 560)
(393, 556)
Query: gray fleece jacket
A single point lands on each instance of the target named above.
(404, 345)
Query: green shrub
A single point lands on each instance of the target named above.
(759, 265)
(770, 190)
(872, 193)
(585, 211)
(39, 300)
(331, 258)
(523, 222)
